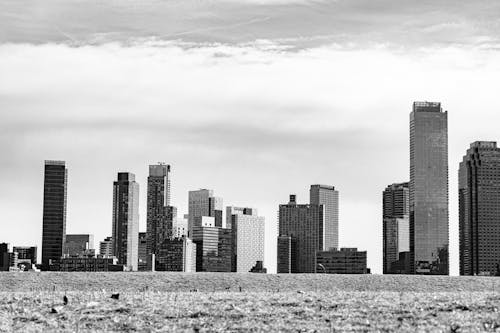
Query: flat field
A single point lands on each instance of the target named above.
(221, 302)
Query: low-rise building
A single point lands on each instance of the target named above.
(85, 264)
(343, 261)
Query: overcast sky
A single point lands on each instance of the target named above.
(254, 99)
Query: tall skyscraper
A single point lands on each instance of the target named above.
(79, 245)
(479, 209)
(396, 228)
(159, 212)
(327, 196)
(203, 203)
(304, 225)
(429, 189)
(126, 220)
(54, 211)
(248, 238)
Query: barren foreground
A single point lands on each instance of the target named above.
(214, 302)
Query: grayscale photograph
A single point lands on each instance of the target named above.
(249, 166)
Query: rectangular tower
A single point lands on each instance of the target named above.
(396, 227)
(479, 210)
(54, 211)
(126, 220)
(428, 189)
(203, 203)
(327, 196)
(79, 245)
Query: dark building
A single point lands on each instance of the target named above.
(126, 220)
(176, 255)
(287, 254)
(142, 252)
(4, 257)
(85, 264)
(26, 253)
(345, 261)
(54, 211)
(79, 245)
(429, 189)
(304, 223)
(396, 227)
(213, 249)
(479, 209)
(160, 214)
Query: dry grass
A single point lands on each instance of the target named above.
(164, 302)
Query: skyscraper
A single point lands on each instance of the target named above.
(304, 225)
(203, 203)
(159, 212)
(126, 220)
(54, 211)
(396, 228)
(479, 209)
(428, 189)
(248, 238)
(213, 249)
(327, 196)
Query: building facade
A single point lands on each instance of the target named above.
(479, 210)
(428, 189)
(54, 211)
(396, 227)
(213, 249)
(106, 247)
(159, 212)
(4, 257)
(26, 253)
(85, 264)
(248, 238)
(345, 261)
(142, 254)
(303, 223)
(180, 227)
(126, 220)
(79, 245)
(203, 203)
(327, 196)
(176, 255)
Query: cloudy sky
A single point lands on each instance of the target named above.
(255, 99)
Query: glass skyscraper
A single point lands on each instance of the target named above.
(479, 209)
(54, 211)
(429, 189)
(327, 196)
(203, 203)
(126, 220)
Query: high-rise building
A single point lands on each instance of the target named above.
(142, 252)
(248, 237)
(304, 224)
(213, 249)
(79, 245)
(428, 189)
(126, 220)
(106, 247)
(54, 211)
(4, 257)
(479, 210)
(159, 212)
(345, 261)
(287, 254)
(203, 203)
(396, 227)
(327, 196)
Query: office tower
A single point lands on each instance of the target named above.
(479, 210)
(106, 247)
(396, 228)
(26, 253)
(303, 224)
(248, 238)
(203, 203)
(126, 220)
(345, 261)
(79, 245)
(213, 249)
(327, 196)
(159, 212)
(176, 255)
(287, 254)
(142, 252)
(4, 257)
(180, 227)
(54, 211)
(429, 189)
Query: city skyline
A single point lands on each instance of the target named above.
(238, 96)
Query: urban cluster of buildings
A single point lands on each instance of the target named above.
(415, 221)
